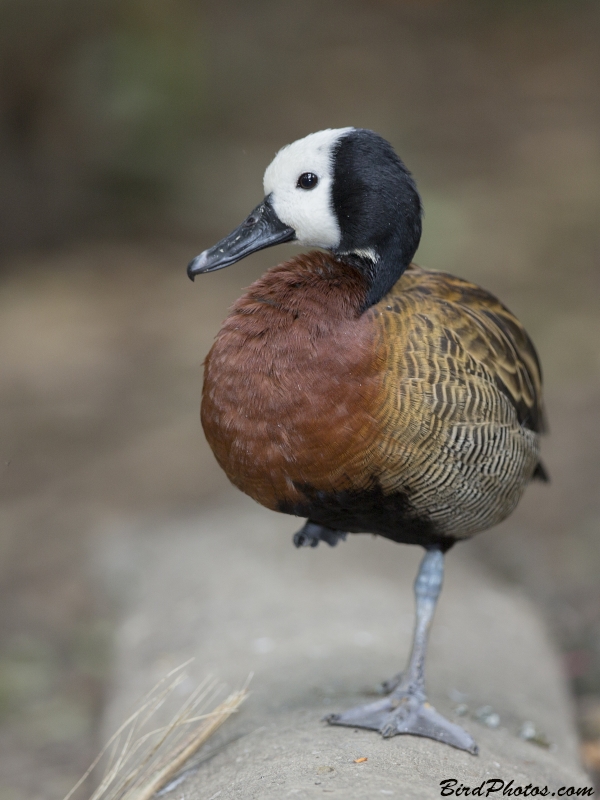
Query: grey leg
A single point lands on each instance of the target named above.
(428, 585)
(406, 709)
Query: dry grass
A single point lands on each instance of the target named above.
(139, 758)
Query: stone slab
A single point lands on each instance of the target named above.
(319, 628)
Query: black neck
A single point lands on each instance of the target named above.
(382, 268)
(378, 209)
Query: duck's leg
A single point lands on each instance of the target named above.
(406, 709)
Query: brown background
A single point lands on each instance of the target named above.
(133, 135)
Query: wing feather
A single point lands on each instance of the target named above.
(474, 327)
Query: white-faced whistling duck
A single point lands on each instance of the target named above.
(364, 393)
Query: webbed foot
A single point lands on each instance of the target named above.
(312, 533)
(406, 712)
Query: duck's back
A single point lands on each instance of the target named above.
(417, 419)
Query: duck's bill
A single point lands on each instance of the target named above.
(261, 229)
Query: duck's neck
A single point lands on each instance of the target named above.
(381, 267)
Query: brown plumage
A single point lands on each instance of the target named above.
(426, 406)
(364, 393)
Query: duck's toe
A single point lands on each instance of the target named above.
(406, 714)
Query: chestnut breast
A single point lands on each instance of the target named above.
(291, 382)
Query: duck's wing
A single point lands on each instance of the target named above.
(469, 329)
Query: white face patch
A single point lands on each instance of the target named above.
(308, 211)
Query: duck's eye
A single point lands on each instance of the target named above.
(308, 180)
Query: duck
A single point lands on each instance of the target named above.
(365, 394)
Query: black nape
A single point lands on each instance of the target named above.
(378, 209)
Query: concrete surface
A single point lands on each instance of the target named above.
(319, 629)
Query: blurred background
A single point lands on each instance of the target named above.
(133, 134)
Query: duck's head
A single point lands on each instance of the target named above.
(344, 190)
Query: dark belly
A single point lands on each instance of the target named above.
(368, 511)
